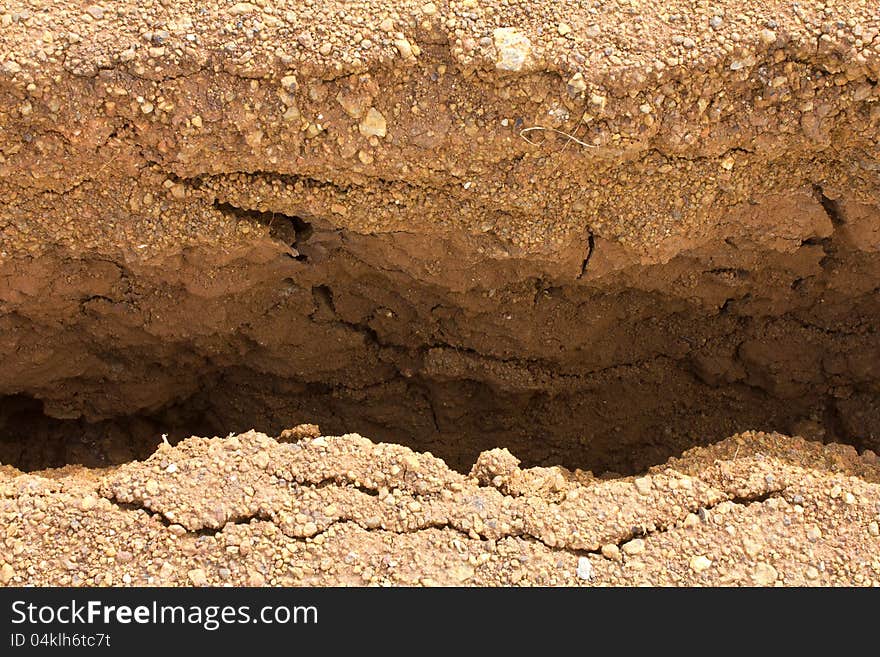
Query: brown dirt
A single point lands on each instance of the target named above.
(756, 509)
(219, 216)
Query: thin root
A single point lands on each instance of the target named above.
(558, 132)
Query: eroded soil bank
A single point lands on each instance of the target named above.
(753, 510)
(232, 216)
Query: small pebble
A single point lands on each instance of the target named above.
(585, 569)
(513, 48)
(373, 124)
(633, 547)
(768, 37)
(764, 574)
(6, 573)
(643, 485)
(197, 576)
(699, 563)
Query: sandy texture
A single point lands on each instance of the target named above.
(718, 106)
(756, 509)
(594, 233)
(216, 216)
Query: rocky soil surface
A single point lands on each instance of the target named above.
(755, 509)
(595, 233)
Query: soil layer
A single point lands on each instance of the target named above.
(594, 234)
(754, 510)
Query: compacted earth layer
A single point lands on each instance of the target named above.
(755, 509)
(594, 233)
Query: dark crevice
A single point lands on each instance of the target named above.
(293, 231)
(339, 482)
(135, 508)
(429, 401)
(325, 310)
(831, 207)
(322, 295)
(204, 531)
(591, 245)
(31, 439)
(702, 512)
(751, 499)
(601, 376)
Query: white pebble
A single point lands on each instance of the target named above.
(584, 568)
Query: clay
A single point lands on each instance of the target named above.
(210, 224)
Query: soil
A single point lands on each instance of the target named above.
(756, 509)
(595, 235)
